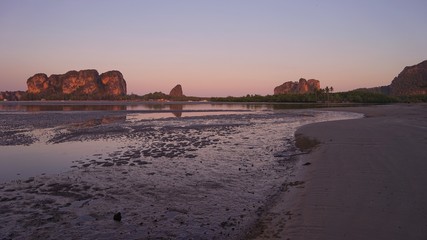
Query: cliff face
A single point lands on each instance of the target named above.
(38, 83)
(411, 81)
(300, 87)
(114, 83)
(84, 82)
(176, 91)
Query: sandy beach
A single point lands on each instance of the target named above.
(196, 177)
(223, 177)
(364, 180)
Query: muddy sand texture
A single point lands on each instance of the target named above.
(366, 180)
(190, 178)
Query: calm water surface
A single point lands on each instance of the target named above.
(65, 135)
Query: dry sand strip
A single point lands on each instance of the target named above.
(367, 180)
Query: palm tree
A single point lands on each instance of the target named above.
(327, 89)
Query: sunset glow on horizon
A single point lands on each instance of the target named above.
(213, 48)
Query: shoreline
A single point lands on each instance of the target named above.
(363, 181)
(199, 177)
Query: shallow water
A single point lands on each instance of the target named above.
(54, 137)
(199, 177)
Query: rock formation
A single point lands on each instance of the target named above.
(37, 83)
(114, 83)
(176, 91)
(300, 87)
(411, 81)
(84, 82)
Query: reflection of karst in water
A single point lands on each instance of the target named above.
(176, 109)
(39, 108)
(195, 177)
(101, 121)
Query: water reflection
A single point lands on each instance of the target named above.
(149, 110)
(101, 121)
(258, 136)
(152, 110)
(176, 109)
(49, 107)
(146, 106)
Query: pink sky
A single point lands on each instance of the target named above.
(213, 48)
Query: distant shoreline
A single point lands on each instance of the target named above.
(136, 102)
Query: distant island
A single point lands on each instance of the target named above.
(78, 83)
(301, 87)
(86, 85)
(409, 86)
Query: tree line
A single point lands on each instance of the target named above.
(326, 95)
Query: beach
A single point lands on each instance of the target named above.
(203, 175)
(365, 179)
(235, 176)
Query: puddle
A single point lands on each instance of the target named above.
(198, 177)
(126, 140)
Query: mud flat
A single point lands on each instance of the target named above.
(207, 177)
(366, 179)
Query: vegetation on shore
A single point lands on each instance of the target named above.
(156, 96)
(321, 96)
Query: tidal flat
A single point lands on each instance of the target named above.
(197, 172)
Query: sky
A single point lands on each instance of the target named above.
(213, 48)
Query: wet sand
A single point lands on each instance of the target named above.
(206, 177)
(366, 179)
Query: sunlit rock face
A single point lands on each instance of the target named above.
(300, 87)
(176, 91)
(113, 83)
(84, 82)
(55, 81)
(81, 82)
(37, 83)
(411, 81)
(313, 85)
